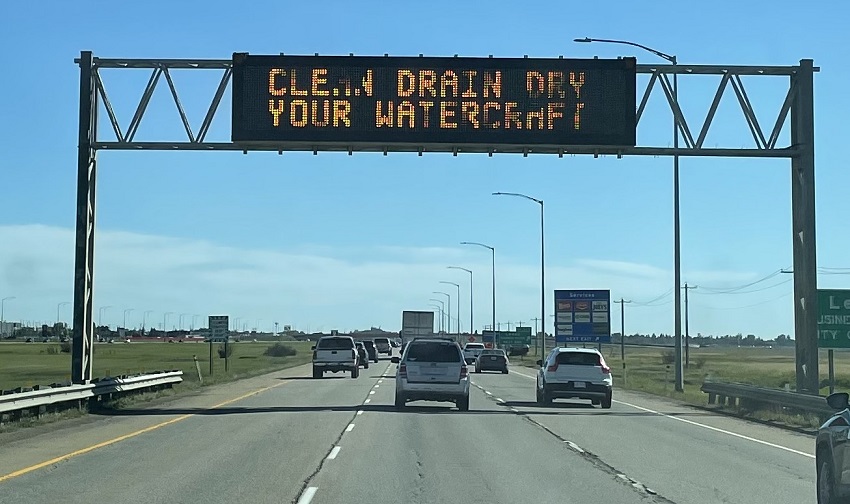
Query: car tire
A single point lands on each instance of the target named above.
(399, 401)
(366, 365)
(606, 402)
(477, 369)
(539, 396)
(355, 372)
(463, 404)
(826, 491)
(596, 402)
(504, 371)
(317, 373)
(547, 397)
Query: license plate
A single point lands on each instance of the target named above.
(579, 384)
(493, 358)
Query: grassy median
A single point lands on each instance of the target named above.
(28, 364)
(648, 369)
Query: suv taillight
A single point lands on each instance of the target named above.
(606, 369)
(464, 372)
(354, 353)
(552, 368)
(314, 355)
(402, 371)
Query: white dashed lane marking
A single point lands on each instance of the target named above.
(332, 455)
(349, 428)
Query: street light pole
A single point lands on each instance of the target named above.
(128, 310)
(3, 310)
(542, 265)
(442, 310)
(145, 318)
(164, 322)
(493, 251)
(59, 310)
(623, 304)
(457, 315)
(471, 324)
(100, 314)
(677, 272)
(449, 311)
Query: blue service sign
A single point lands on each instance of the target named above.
(583, 316)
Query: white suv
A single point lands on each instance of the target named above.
(432, 369)
(574, 373)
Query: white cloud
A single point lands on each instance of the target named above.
(315, 287)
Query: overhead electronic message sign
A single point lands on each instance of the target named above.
(433, 104)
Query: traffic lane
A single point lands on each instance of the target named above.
(682, 460)
(431, 452)
(22, 448)
(259, 449)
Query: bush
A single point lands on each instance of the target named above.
(668, 357)
(52, 350)
(65, 347)
(280, 350)
(699, 362)
(221, 354)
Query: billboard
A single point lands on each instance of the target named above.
(583, 316)
(433, 103)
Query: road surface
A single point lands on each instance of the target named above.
(285, 437)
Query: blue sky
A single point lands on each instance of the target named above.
(333, 241)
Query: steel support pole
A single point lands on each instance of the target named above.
(677, 271)
(803, 228)
(495, 333)
(471, 325)
(542, 283)
(83, 333)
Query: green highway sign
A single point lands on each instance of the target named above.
(522, 336)
(833, 318)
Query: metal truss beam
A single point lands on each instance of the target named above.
(765, 145)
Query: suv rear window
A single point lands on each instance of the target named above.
(368, 344)
(473, 346)
(382, 340)
(433, 352)
(335, 344)
(579, 359)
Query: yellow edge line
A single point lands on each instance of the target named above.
(93, 447)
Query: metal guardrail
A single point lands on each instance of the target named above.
(742, 394)
(47, 396)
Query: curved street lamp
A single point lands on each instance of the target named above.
(457, 315)
(677, 271)
(493, 251)
(442, 310)
(471, 324)
(542, 265)
(449, 311)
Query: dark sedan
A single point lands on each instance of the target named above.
(832, 453)
(492, 360)
(371, 351)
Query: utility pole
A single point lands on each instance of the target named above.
(536, 334)
(687, 334)
(623, 304)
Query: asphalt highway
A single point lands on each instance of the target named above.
(286, 437)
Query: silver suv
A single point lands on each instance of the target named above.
(574, 373)
(432, 369)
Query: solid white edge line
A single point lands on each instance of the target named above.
(332, 455)
(704, 426)
(307, 496)
(349, 428)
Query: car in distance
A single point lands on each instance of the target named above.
(362, 355)
(492, 360)
(831, 461)
(335, 354)
(432, 369)
(383, 346)
(371, 351)
(471, 351)
(579, 373)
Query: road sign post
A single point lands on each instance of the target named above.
(833, 324)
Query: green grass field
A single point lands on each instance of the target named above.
(28, 364)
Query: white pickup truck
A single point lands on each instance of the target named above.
(471, 351)
(335, 353)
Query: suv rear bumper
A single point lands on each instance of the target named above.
(570, 391)
(335, 366)
(432, 391)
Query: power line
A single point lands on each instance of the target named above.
(746, 306)
(729, 290)
(715, 293)
(654, 300)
